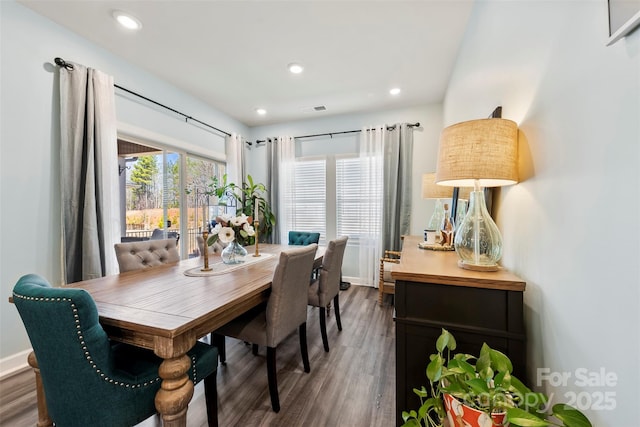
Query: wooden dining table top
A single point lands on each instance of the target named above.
(137, 306)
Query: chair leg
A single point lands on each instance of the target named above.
(323, 329)
(273, 380)
(336, 303)
(380, 290)
(302, 333)
(211, 398)
(218, 341)
(254, 349)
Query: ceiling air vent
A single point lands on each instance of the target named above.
(320, 108)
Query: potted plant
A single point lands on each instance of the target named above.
(481, 392)
(246, 197)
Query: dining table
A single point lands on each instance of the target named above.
(168, 307)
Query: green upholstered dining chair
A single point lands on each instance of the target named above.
(327, 286)
(303, 238)
(133, 256)
(284, 312)
(88, 379)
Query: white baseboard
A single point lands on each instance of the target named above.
(353, 280)
(14, 363)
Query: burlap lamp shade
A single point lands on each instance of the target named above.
(485, 150)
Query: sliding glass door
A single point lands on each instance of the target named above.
(200, 207)
(160, 193)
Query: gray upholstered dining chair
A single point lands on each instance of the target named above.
(148, 253)
(284, 312)
(88, 379)
(327, 286)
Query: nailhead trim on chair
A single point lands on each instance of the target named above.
(83, 344)
(193, 368)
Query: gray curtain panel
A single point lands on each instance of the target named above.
(87, 121)
(273, 185)
(396, 184)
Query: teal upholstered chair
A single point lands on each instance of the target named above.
(285, 311)
(89, 380)
(303, 238)
(327, 286)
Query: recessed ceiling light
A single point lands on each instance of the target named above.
(395, 91)
(261, 111)
(128, 21)
(295, 68)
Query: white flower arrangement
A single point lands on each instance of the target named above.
(227, 227)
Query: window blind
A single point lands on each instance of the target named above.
(308, 201)
(352, 216)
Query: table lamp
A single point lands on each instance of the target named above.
(432, 191)
(479, 153)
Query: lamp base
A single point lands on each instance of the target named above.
(474, 267)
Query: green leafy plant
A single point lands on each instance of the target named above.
(245, 196)
(484, 383)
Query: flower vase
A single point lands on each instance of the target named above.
(234, 253)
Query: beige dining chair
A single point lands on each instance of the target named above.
(327, 286)
(284, 312)
(147, 253)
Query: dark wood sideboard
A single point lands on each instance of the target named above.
(432, 293)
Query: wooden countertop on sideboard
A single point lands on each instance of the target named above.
(426, 266)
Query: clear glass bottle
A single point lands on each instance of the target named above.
(447, 228)
(478, 241)
(436, 218)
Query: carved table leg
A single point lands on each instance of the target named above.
(43, 413)
(176, 391)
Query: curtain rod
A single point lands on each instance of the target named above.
(417, 124)
(62, 63)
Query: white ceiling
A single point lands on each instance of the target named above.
(233, 55)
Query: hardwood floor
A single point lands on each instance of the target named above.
(353, 385)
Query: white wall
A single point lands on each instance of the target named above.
(425, 150)
(29, 145)
(571, 225)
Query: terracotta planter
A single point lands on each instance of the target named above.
(461, 415)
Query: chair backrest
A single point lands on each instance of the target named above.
(287, 305)
(330, 271)
(158, 234)
(149, 253)
(216, 248)
(72, 350)
(303, 238)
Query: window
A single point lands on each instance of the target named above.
(309, 199)
(328, 198)
(161, 193)
(353, 216)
